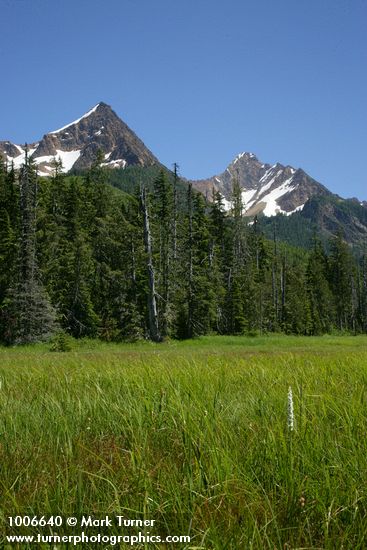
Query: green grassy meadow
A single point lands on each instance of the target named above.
(193, 435)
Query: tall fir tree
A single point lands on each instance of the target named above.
(320, 297)
(30, 316)
(164, 213)
(342, 281)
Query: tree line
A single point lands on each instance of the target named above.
(80, 256)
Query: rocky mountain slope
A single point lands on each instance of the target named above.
(266, 189)
(270, 190)
(77, 144)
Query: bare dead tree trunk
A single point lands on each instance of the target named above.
(133, 268)
(283, 284)
(274, 279)
(175, 179)
(152, 295)
(190, 273)
(364, 309)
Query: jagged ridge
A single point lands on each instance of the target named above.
(77, 144)
(266, 189)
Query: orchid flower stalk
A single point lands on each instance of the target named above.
(290, 410)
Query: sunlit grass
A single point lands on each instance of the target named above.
(193, 435)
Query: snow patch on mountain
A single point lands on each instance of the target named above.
(247, 196)
(118, 163)
(298, 209)
(16, 161)
(227, 205)
(21, 151)
(76, 121)
(67, 158)
(269, 172)
(244, 154)
(19, 160)
(272, 208)
(265, 189)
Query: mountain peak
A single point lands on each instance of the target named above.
(77, 120)
(266, 189)
(77, 144)
(245, 156)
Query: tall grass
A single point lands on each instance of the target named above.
(195, 436)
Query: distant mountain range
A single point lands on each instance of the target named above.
(267, 190)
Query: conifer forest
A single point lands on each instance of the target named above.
(148, 257)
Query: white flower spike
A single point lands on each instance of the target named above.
(290, 418)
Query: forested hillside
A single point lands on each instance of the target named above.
(325, 215)
(155, 260)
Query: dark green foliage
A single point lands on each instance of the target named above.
(28, 314)
(9, 228)
(296, 230)
(128, 179)
(61, 342)
(324, 215)
(80, 250)
(237, 265)
(196, 295)
(343, 283)
(320, 298)
(162, 200)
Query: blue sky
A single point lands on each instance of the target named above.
(198, 80)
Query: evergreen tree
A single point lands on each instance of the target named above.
(8, 225)
(362, 280)
(258, 295)
(79, 317)
(122, 266)
(29, 313)
(196, 302)
(296, 318)
(164, 214)
(68, 256)
(217, 265)
(342, 280)
(320, 298)
(237, 256)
